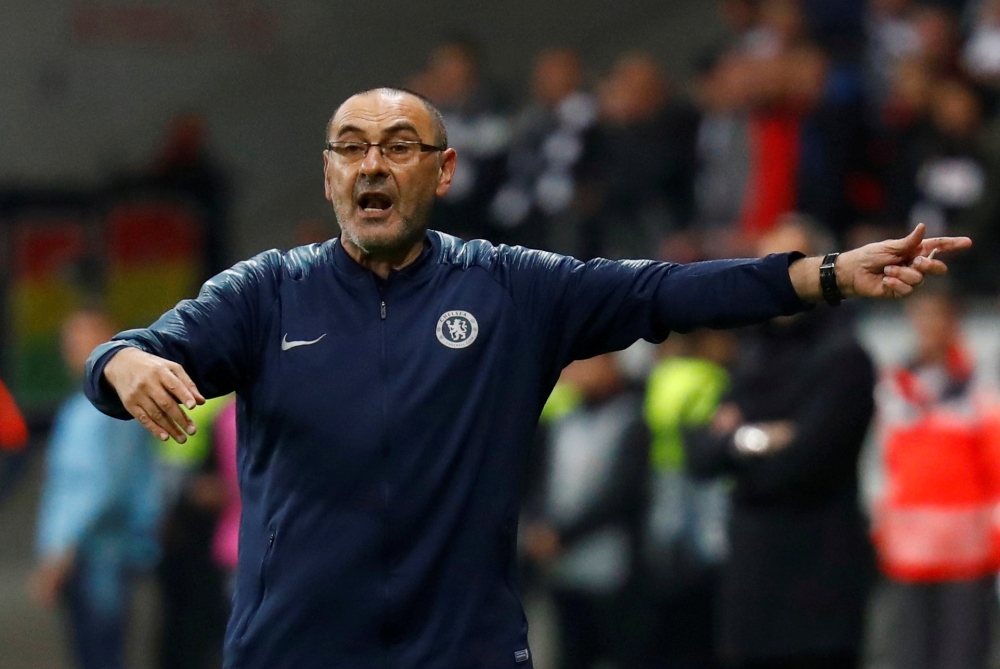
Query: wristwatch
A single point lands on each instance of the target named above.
(828, 280)
(751, 440)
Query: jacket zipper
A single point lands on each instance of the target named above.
(262, 584)
(383, 368)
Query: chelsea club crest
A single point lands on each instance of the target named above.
(457, 329)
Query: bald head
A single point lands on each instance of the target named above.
(439, 134)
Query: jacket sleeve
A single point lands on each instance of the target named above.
(830, 426)
(580, 310)
(214, 337)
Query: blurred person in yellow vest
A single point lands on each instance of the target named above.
(684, 534)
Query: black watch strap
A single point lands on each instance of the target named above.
(828, 280)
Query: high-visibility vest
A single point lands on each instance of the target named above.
(938, 516)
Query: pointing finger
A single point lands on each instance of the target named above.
(944, 244)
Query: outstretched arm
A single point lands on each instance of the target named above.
(889, 269)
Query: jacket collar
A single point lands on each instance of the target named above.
(424, 263)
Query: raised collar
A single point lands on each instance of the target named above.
(424, 263)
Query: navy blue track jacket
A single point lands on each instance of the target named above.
(382, 426)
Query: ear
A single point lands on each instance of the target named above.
(326, 176)
(448, 161)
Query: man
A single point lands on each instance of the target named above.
(387, 382)
(788, 434)
(550, 156)
(582, 516)
(935, 523)
(99, 512)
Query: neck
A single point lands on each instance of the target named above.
(382, 263)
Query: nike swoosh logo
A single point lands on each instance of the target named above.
(285, 344)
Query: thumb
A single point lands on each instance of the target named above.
(909, 244)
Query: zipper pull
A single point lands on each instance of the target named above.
(383, 310)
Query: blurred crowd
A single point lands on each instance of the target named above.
(698, 508)
(868, 117)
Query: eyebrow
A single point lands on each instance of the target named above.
(401, 126)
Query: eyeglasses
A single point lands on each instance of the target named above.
(399, 151)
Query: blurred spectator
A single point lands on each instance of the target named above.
(13, 439)
(552, 145)
(99, 511)
(891, 38)
(936, 27)
(645, 154)
(186, 166)
(742, 20)
(684, 539)
(227, 533)
(581, 516)
(789, 433)
(13, 430)
(192, 584)
(804, 127)
(981, 55)
(949, 180)
(935, 524)
(723, 162)
(478, 128)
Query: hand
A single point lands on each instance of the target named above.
(727, 418)
(888, 269)
(49, 579)
(151, 388)
(541, 543)
(894, 268)
(780, 434)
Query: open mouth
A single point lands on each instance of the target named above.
(374, 202)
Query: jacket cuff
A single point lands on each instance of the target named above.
(95, 386)
(791, 303)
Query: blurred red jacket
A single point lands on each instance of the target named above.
(937, 519)
(13, 430)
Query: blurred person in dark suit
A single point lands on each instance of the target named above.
(789, 433)
(645, 157)
(581, 520)
(552, 147)
(99, 511)
(476, 116)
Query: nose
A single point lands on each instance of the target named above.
(374, 162)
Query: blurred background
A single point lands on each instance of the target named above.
(149, 144)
